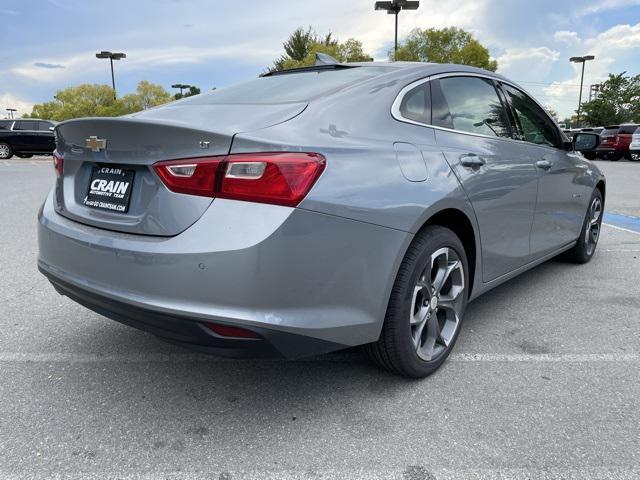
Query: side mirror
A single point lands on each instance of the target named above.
(585, 141)
(52, 128)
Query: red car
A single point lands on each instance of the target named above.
(614, 142)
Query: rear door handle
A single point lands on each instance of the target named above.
(543, 164)
(472, 160)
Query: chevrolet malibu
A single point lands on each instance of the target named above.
(316, 209)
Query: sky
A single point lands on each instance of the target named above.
(47, 45)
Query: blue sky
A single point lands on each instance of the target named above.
(50, 44)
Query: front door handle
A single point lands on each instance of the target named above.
(471, 160)
(543, 164)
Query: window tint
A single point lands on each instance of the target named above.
(5, 124)
(289, 87)
(26, 125)
(416, 104)
(534, 123)
(45, 126)
(469, 104)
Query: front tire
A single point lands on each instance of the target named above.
(585, 247)
(426, 306)
(5, 151)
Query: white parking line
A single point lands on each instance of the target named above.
(620, 228)
(19, 357)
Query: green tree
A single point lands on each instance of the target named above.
(446, 45)
(618, 101)
(302, 45)
(97, 101)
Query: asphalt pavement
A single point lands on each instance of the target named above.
(544, 382)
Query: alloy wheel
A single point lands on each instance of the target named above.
(592, 231)
(5, 151)
(437, 303)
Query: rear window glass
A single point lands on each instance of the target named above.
(26, 125)
(287, 88)
(5, 124)
(416, 104)
(610, 131)
(628, 128)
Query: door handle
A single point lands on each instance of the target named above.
(472, 160)
(543, 164)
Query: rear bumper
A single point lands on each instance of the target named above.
(192, 333)
(305, 282)
(609, 152)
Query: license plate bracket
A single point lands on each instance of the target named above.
(110, 188)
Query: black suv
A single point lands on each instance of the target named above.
(24, 138)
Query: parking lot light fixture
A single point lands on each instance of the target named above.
(112, 56)
(393, 7)
(584, 59)
(181, 86)
(11, 111)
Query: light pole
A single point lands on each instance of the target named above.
(111, 56)
(11, 111)
(180, 86)
(584, 59)
(393, 8)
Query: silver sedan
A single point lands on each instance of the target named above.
(316, 209)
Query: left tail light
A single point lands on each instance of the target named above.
(275, 178)
(58, 163)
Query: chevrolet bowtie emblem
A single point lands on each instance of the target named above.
(96, 144)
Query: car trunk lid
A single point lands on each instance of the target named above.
(107, 179)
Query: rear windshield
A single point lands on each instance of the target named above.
(610, 131)
(628, 128)
(286, 88)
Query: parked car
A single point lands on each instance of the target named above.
(25, 138)
(316, 209)
(615, 141)
(591, 154)
(634, 146)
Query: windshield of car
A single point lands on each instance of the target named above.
(287, 88)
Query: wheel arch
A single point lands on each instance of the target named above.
(601, 185)
(461, 224)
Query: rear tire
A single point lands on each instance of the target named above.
(585, 248)
(5, 151)
(426, 307)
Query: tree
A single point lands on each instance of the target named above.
(618, 101)
(97, 101)
(302, 45)
(446, 45)
(552, 113)
(191, 91)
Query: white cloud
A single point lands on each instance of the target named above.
(8, 100)
(566, 37)
(619, 44)
(140, 59)
(527, 63)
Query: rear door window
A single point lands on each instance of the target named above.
(469, 104)
(26, 125)
(5, 124)
(535, 125)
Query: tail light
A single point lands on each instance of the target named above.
(58, 163)
(275, 178)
